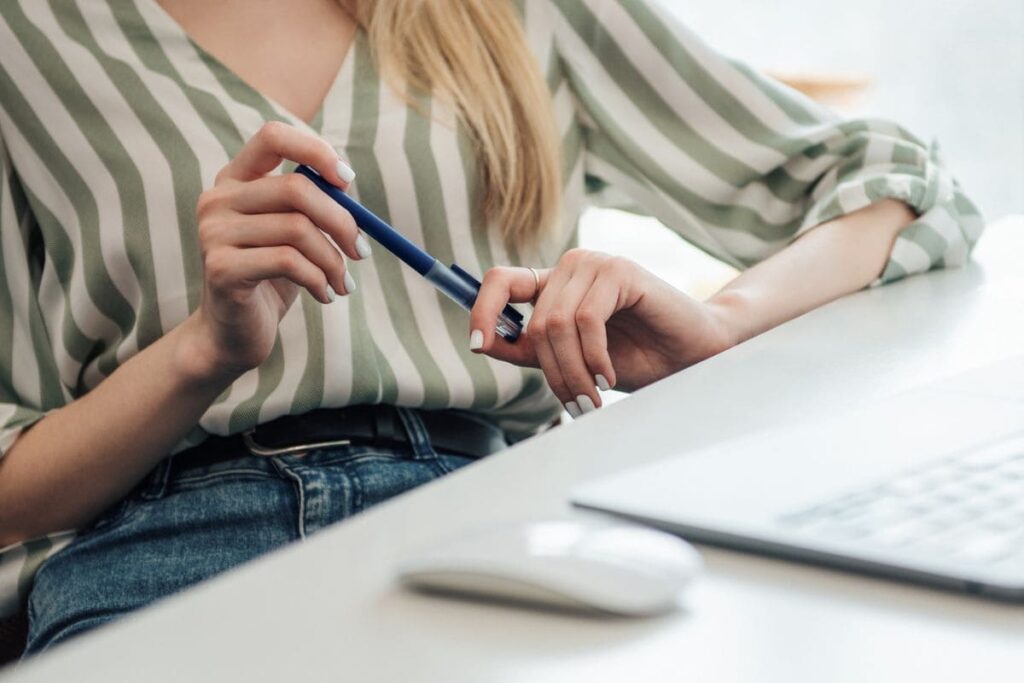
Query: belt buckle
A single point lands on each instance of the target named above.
(256, 448)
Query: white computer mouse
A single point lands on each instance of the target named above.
(589, 564)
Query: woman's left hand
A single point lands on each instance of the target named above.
(598, 322)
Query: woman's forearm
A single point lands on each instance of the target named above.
(80, 459)
(833, 259)
(262, 237)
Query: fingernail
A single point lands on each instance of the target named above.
(350, 283)
(363, 247)
(573, 409)
(476, 340)
(331, 294)
(345, 172)
(602, 382)
(586, 405)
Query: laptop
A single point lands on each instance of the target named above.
(926, 486)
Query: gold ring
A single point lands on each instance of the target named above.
(536, 283)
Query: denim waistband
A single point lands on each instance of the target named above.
(155, 484)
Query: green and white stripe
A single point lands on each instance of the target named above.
(112, 121)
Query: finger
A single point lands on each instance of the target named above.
(553, 372)
(229, 269)
(592, 315)
(552, 282)
(521, 352)
(500, 286)
(295, 230)
(294, 192)
(564, 338)
(540, 336)
(276, 142)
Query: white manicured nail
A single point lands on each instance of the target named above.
(345, 172)
(350, 283)
(331, 294)
(363, 247)
(476, 340)
(573, 409)
(586, 405)
(602, 382)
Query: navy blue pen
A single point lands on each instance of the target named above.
(457, 284)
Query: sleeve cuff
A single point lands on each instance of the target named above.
(948, 223)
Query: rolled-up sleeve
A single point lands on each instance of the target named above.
(29, 383)
(734, 162)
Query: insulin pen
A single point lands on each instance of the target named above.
(460, 286)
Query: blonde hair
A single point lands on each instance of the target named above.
(474, 55)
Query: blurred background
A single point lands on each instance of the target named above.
(951, 70)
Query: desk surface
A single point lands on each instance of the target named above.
(327, 609)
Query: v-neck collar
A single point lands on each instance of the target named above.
(338, 83)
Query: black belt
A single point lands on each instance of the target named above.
(449, 431)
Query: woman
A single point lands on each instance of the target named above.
(166, 290)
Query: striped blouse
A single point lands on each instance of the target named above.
(112, 121)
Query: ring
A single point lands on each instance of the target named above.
(536, 283)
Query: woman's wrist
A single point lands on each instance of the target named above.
(730, 317)
(833, 259)
(197, 362)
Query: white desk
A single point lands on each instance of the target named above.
(327, 610)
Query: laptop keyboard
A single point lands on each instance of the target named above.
(966, 509)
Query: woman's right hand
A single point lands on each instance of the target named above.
(262, 238)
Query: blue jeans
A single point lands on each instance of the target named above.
(183, 525)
